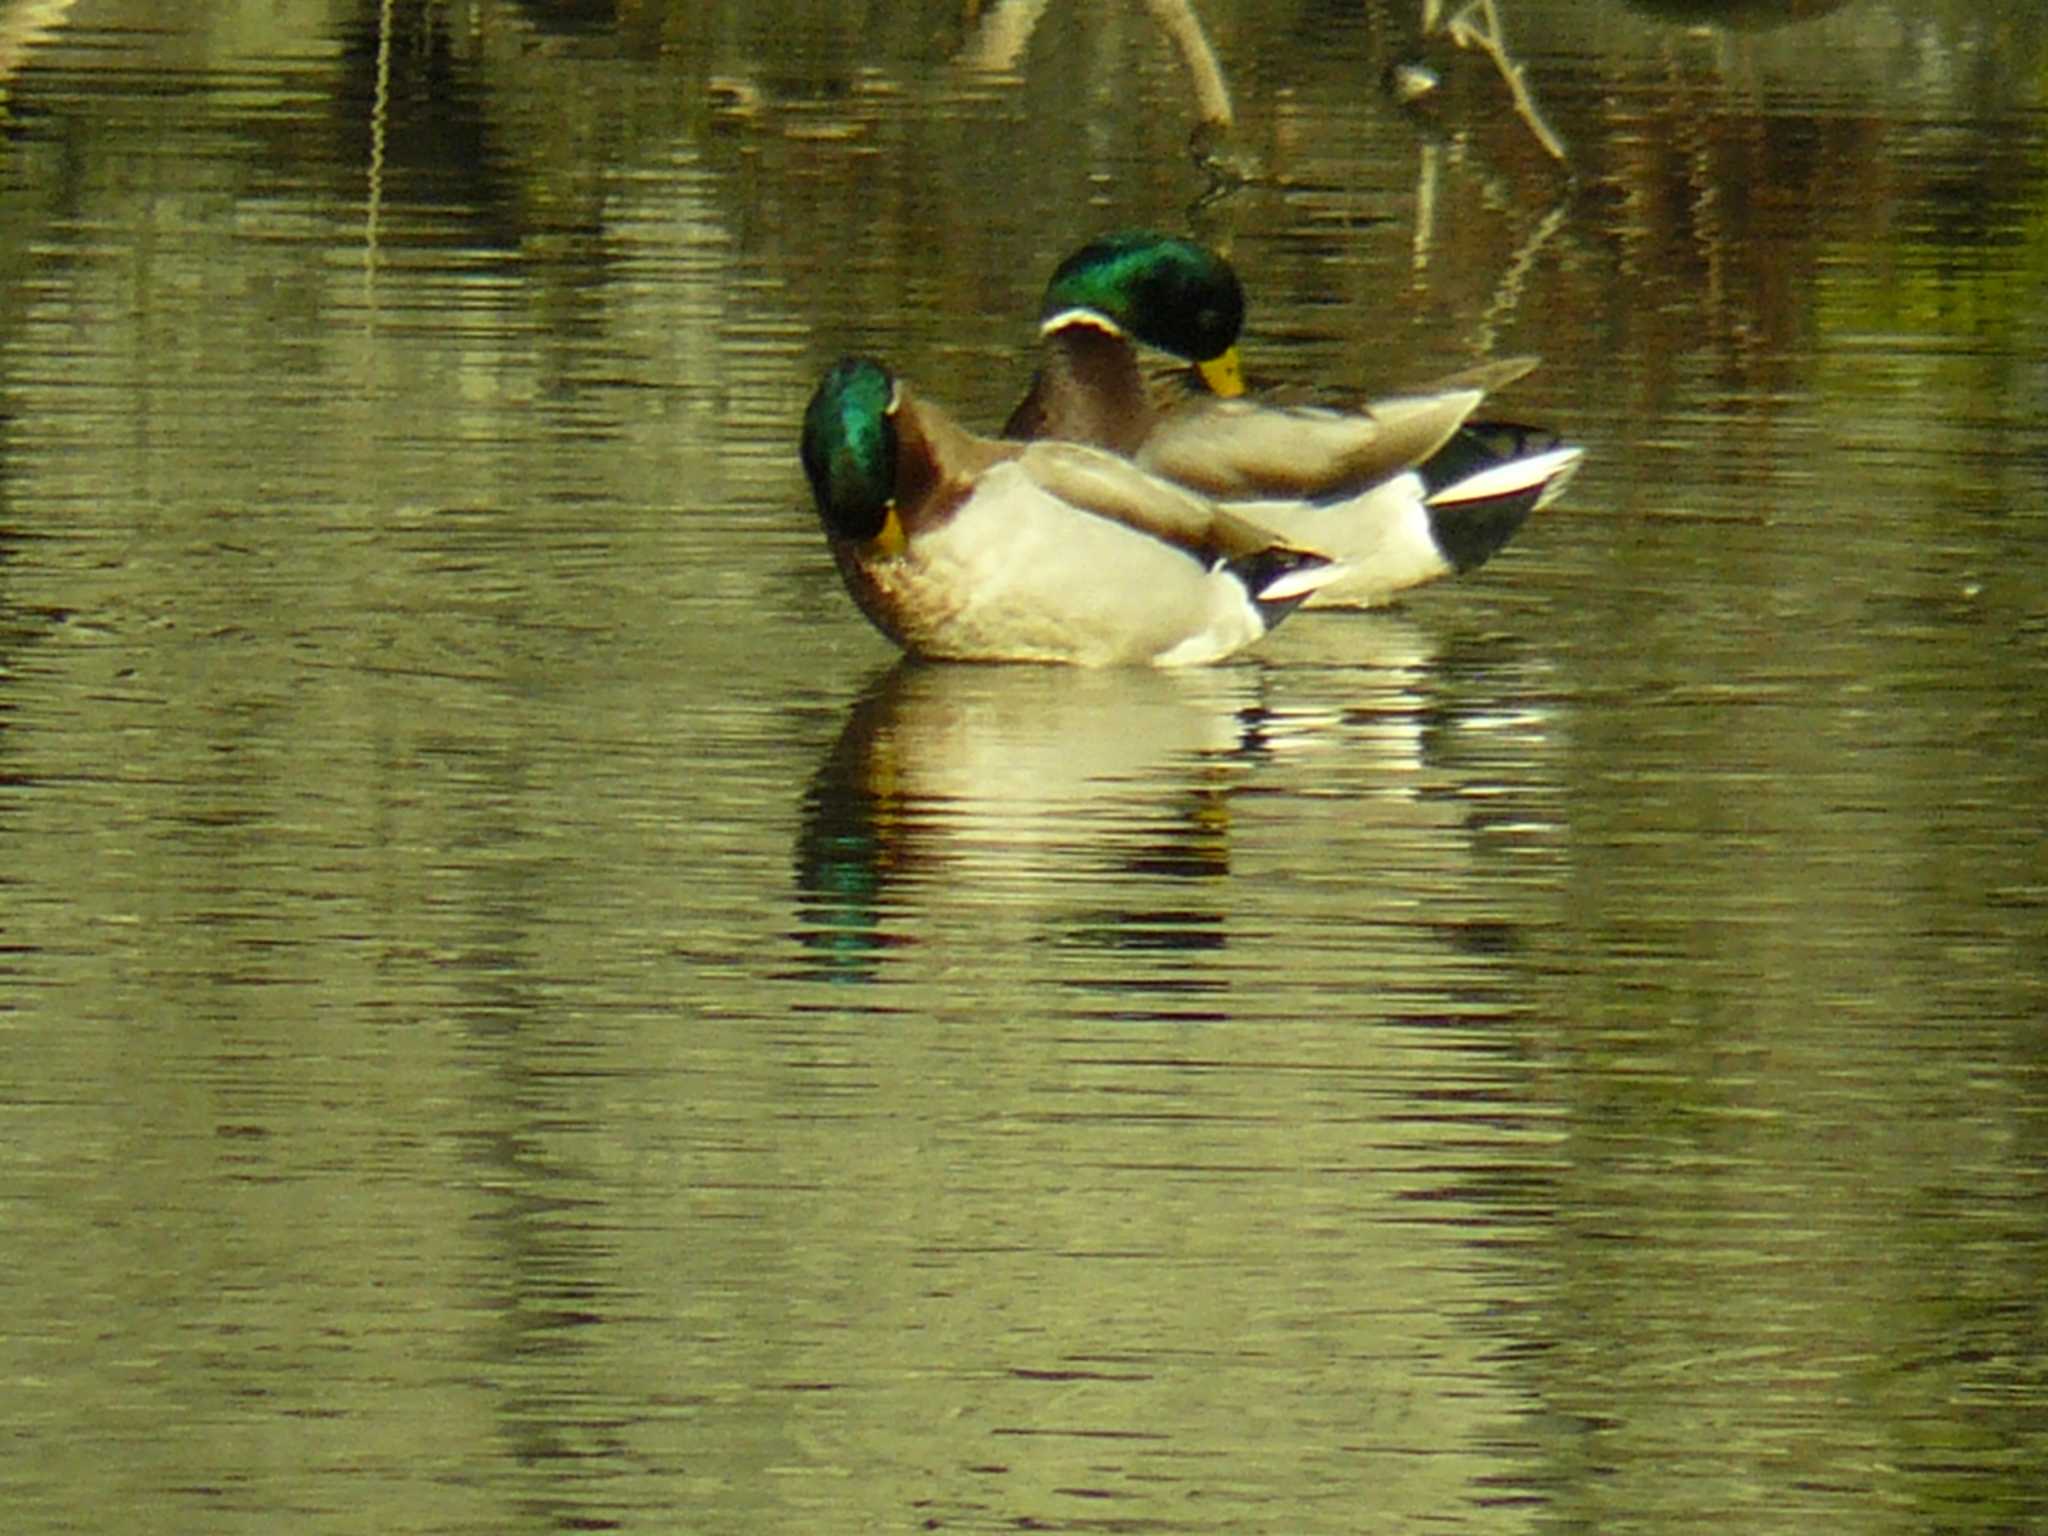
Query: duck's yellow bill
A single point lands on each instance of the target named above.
(892, 540)
(1224, 374)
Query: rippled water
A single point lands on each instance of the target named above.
(519, 1013)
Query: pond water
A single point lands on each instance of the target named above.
(519, 1014)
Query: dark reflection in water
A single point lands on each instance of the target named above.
(1738, 13)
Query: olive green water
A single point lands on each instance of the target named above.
(517, 1016)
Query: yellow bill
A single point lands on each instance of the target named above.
(891, 541)
(1224, 374)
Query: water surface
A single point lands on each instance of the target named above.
(520, 1013)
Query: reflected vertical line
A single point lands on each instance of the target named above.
(1183, 29)
(1507, 295)
(380, 107)
(1425, 209)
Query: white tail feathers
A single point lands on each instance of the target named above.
(1301, 581)
(1549, 470)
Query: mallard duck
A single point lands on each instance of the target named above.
(961, 547)
(1401, 490)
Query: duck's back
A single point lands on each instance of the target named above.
(1020, 574)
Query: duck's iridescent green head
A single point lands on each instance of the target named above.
(849, 448)
(1170, 293)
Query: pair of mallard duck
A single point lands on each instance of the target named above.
(1135, 514)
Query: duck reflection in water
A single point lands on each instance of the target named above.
(1081, 825)
(964, 800)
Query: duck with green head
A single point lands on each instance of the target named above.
(964, 548)
(1139, 356)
